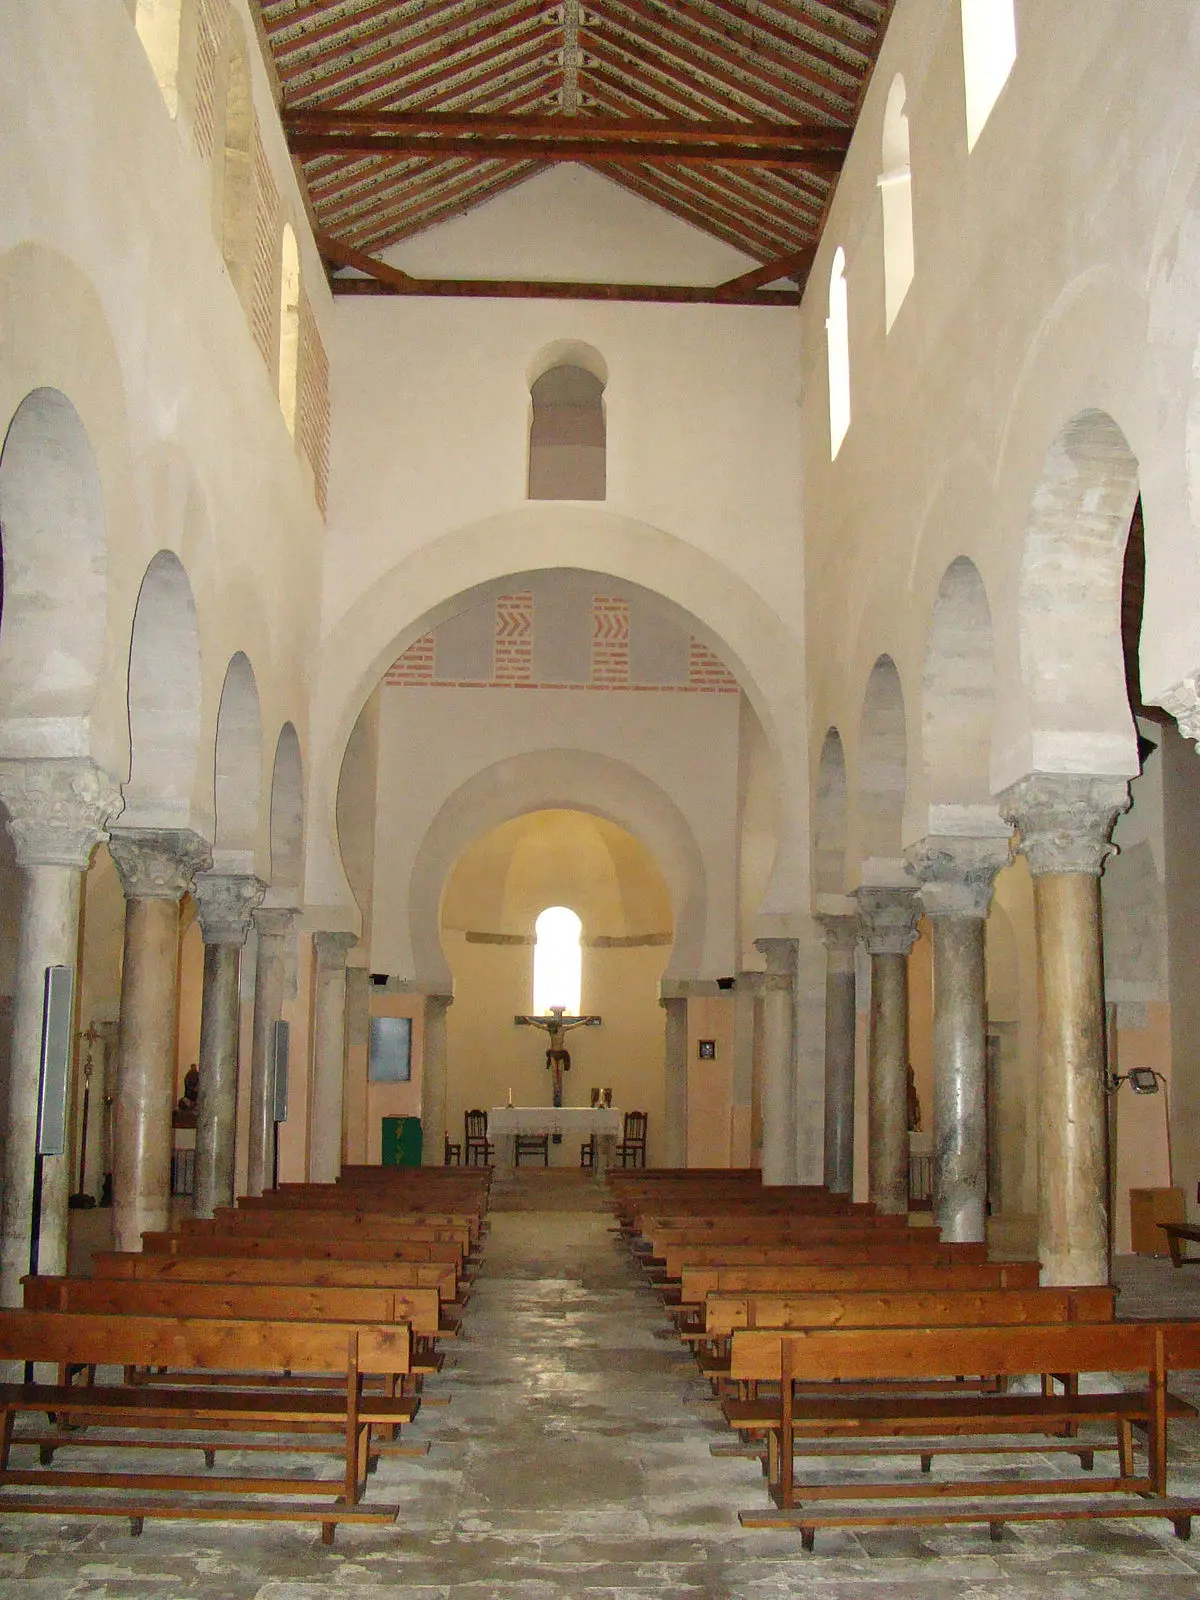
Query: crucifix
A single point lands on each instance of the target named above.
(556, 1026)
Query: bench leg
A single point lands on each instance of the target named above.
(6, 1432)
(1157, 1432)
(1125, 1448)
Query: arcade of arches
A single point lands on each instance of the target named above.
(342, 637)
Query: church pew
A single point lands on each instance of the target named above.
(727, 1313)
(365, 1204)
(267, 1347)
(698, 1282)
(313, 1247)
(655, 1238)
(915, 1355)
(923, 1246)
(274, 1269)
(227, 1221)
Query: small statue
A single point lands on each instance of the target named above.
(191, 1089)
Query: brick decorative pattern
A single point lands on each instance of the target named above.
(312, 400)
(415, 665)
(513, 656)
(610, 642)
(264, 308)
(512, 652)
(210, 31)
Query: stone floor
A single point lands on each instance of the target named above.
(574, 1460)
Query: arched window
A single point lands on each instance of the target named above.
(158, 27)
(289, 326)
(837, 334)
(989, 36)
(567, 436)
(895, 193)
(557, 962)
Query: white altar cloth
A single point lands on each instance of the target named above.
(580, 1122)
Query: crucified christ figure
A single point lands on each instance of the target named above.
(556, 1027)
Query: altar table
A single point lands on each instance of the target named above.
(606, 1123)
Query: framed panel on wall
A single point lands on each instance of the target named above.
(390, 1058)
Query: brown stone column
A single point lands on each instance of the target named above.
(156, 867)
(889, 928)
(433, 1082)
(1065, 822)
(328, 1055)
(273, 925)
(778, 1045)
(57, 810)
(841, 942)
(224, 904)
(957, 876)
(675, 1096)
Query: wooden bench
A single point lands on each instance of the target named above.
(90, 1340)
(905, 1251)
(725, 1314)
(1177, 1234)
(362, 1207)
(914, 1356)
(312, 1247)
(319, 1272)
(329, 1225)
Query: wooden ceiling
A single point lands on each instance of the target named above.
(732, 115)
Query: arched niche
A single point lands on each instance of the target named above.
(164, 698)
(53, 582)
(882, 773)
(572, 780)
(958, 693)
(287, 819)
(837, 337)
(1072, 666)
(567, 435)
(829, 819)
(238, 769)
(289, 326)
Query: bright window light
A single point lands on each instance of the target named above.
(557, 962)
(837, 333)
(989, 35)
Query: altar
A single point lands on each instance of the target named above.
(576, 1123)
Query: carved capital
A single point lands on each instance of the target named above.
(158, 863)
(273, 922)
(841, 934)
(57, 809)
(436, 1004)
(225, 903)
(1183, 702)
(332, 949)
(888, 920)
(780, 956)
(1065, 819)
(957, 873)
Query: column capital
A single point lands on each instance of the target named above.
(274, 922)
(666, 1001)
(888, 920)
(780, 957)
(225, 902)
(1183, 702)
(957, 872)
(840, 933)
(436, 1001)
(158, 863)
(57, 809)
(1065, 819)
(332, 948)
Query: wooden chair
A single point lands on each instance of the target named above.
(453, 1154)
(531, 1144)
(587, 1154)
(632, 1148)
(480, 1149)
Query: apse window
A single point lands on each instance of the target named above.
(837, 334)
(289, 326)
(895, 194)
(567, 436)
(989, 36)
(557, 962)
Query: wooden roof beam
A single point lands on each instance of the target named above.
(599, 130)
(381, 278)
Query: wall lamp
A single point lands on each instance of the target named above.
(1142, 1080)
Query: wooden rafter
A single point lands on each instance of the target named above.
(382, 278)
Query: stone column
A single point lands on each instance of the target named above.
(156, 867)
(328, 1055)
(57, 810)
(956, 890)
(742, 1087)
(779, 1089)
(889, 928)
(433, 1082)
(1065, 822)
(273, 925)
(841, 941)
(675, 1097)
(224, 903)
